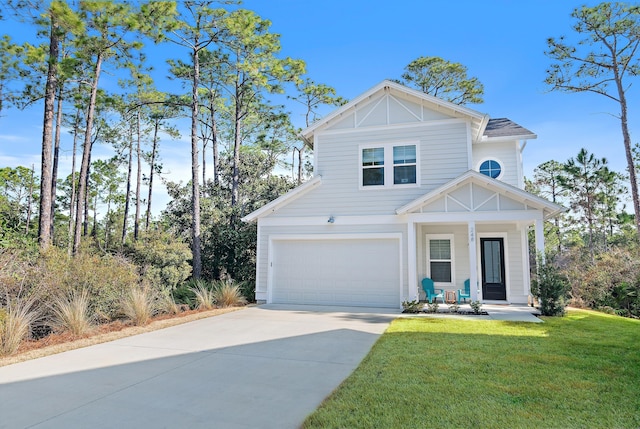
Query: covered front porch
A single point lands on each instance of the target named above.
(475, 228)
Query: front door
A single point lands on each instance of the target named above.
(492, 259)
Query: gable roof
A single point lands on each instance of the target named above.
(549, 209)
(283, 199)
(479, 120)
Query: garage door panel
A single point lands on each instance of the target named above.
(364, 272)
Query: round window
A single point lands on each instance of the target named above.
(491, 168)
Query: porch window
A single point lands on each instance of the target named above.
(440, 258)
(401, 164)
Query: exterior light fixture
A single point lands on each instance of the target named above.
(331, 219)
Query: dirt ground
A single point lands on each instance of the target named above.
(61, 342)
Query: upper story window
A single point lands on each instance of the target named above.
(491, 168)
(388, 165)
(404, 164)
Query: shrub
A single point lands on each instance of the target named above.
(16, 320)
(164, 259)
(412, 306)
(71, 312)
(137, 305)
(432, 307)
(106, 279)
(167, 304)
(550, 287)
(476, 306)
(183, 295)
(228, 294)
(204, 295)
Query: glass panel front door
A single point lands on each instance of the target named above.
(493, 270)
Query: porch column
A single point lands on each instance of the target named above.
(412, 270)
(539, 235)
(473, 262)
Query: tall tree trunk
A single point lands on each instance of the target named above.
(85, 221)
(56, 157)
(94, 228)
(72, 199)
(30, 199)
(214, 144)
(237, 128)
(195, 177)
(300, 160)
(128, 192)
(136, 223)
(44, 226)
(154, 148)
(86, 150)
(627, 150)
(204, 161)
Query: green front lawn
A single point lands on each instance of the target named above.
(582, 371)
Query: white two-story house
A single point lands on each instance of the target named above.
(405, 186)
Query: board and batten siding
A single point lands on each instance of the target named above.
(507, 153)
(443, 153)
(267, 231)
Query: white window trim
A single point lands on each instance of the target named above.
(388, 164)
(492, 158)
(449, 237)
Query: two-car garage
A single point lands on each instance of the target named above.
(335, 270)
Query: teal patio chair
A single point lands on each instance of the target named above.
(431, 291)
(466, 293)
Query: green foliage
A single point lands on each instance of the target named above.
(443, 79)
(106, 278)
(412, 306)
(550, 287)
(476, 306)
(164, 259)
(183, 295)
(432, 307)
(611, 280)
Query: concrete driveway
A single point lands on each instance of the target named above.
(261, 367)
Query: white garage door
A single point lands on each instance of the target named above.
(353, 272)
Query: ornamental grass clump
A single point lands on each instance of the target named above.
(205, 299)
(228, 294)
(16, 320)
(71, 313)
(138, 305)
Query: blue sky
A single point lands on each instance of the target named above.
(354, 44)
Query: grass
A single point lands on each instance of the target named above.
(71, 313)
(15, 324)
(228, 294)
(137, 305)
(582, 370)
(204, 296)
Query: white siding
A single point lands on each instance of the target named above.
(443, 156)
(460, 253)
(504, 152)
